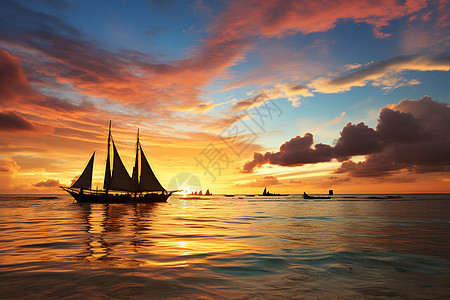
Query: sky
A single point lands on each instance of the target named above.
(231, 96)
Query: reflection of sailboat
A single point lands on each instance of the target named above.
(137, 188)
(104, 224)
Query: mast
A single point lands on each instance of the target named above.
(107, 181)
(135, 175)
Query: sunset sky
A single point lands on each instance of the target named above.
(291, 95)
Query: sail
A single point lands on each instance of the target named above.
(149, 182)
(85, 179)
(107, 180)
(120, 180)
(135, 175)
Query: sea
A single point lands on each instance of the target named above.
(218, 247)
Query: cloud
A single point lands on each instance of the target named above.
(13, 82)
(356, 140)
(293, 92)
(429, 30)
(335, 179)
(62, 105)
(295, 181)
(274, 18)
(339, 119)
(47, 183)
(8, 166)
(12, 121)
(251, 102)
(18, 93)
(266, 181)
(416, 138)
(383, 74)
(295, 152)
(412, 136)
(131, 77)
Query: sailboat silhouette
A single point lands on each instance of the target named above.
(142, 186)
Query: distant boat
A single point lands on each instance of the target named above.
(229, 195)
(200, 193)
(143, 187)
(267, 193)
(306, 196)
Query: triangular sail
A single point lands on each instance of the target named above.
(107, 181)
(85, 179)
(148, 182)
(135, 175)
(120, 180)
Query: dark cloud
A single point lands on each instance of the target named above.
(398, 127)
(398, 62)
(47, 183)
(295, 152)
(250, 102)
(13, 82)
(412, 136)
(356, 140)
(335, 179)
(383, 73)
(12, 121)
(61, 105)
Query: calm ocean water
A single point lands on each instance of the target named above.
(350, 247)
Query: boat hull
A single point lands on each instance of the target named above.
(306, 196)
(117, 198)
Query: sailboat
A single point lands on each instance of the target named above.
(142, 186)
(267, 193)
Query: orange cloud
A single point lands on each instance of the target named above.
(12, 121)
(48, 183)
(13, 82)
(130, 77)
(382, 73)
(278, 18)
(8, 166)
